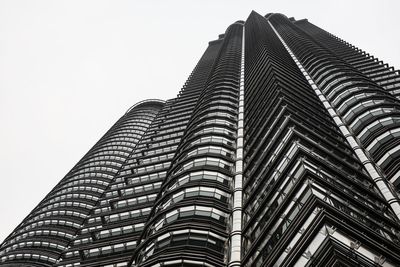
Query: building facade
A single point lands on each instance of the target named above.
(281, 149)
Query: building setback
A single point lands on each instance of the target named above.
(281, 149)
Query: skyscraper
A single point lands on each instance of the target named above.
(281, 149)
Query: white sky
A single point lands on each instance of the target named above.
(70, 69)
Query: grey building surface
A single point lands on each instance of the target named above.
(281, 149)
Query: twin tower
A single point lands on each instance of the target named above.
(281, 149)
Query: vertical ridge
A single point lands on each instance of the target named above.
(236, 232)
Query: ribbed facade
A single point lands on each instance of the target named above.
(65, 213)
(281, 149)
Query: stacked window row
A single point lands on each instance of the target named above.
(59, 217)
(298, 169)
(113, 231)
(362, 101)
(120, 216)
(191, 219)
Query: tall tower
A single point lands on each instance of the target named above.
(281, 149)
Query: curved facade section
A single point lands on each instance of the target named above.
(147, 102)
(191, 219)
(49, 229)
(114, 229)
(302, 180)
(379, 135)
(363, 101)
(386, 77)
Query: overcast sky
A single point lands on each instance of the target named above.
(70, 69)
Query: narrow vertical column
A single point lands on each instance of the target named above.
(236, 233)
(190, 221)
(369, 165)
